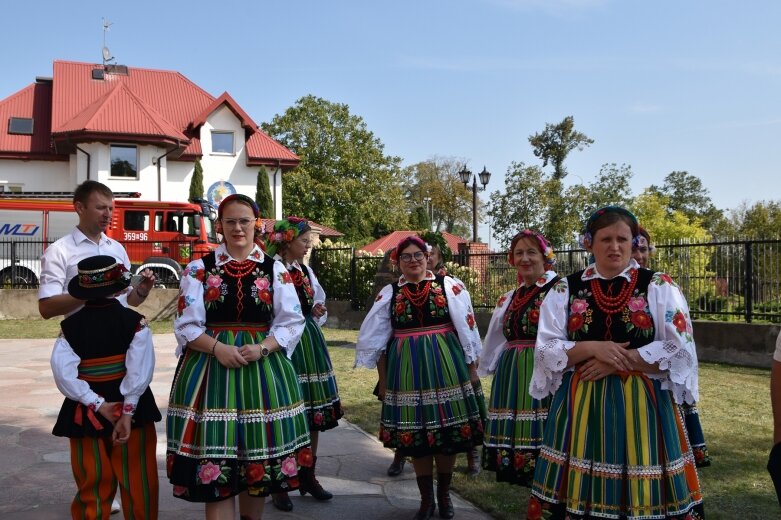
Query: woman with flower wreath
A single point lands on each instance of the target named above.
(642, 252)
(425, 326)
(288, 241)
(237, 424)
(614, 348)
(513, 431)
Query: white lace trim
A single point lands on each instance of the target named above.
(550, 362)
(245, 416)
(429, 397)
(680, 368)
(367, 358)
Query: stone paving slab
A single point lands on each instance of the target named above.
(37, 482)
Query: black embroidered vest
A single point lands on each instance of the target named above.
(521, 323)
(632, 323)
(432, 311)
(248, 298)
(304, 289)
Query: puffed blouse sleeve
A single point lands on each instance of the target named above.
(190, 320)
(139, 365)
(550, 350)
(494, 341)
(319, 296)
(288, 323)
(463, 316)
(673, 345)
(65, 368)
(376, 330)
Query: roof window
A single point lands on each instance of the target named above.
(20, 125)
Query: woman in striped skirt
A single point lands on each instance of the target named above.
(513, 432)
(614, 348)
(237, 424)
(429, 411)
(641, 252)
(288, 241)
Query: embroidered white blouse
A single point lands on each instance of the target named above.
(319, 296)
(672, 347)
(286, 326)
(139, 366)
(495, 341)
(377, 330)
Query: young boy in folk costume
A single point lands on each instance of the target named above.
(103, 362)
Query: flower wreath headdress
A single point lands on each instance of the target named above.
(283, 232)
(549, 257)
(586, 238)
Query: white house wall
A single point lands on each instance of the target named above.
(35, 175)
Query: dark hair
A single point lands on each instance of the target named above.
(644, 232)
(241, 199)
(87, 188)
(609, 218)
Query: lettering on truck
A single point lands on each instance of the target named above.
(19, 230)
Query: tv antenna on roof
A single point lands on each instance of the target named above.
(107, 57)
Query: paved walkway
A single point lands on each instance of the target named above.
(37, 483)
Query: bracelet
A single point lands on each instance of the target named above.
(215, 345)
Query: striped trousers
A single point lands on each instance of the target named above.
(98, 467)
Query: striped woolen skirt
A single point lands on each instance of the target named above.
(691, 417)
(430, 405)
(317, 380)
(235, 429)
(616, 448)
(513, 430)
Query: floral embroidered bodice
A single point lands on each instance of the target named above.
(422, 304)
(238, 292)
(523, 313)
(615, 310)
(306, 294)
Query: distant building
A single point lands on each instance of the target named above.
(390, 241)
(133, 129)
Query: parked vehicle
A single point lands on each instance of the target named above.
(162, 236)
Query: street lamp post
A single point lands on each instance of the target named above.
(429, 210)
(465, 175)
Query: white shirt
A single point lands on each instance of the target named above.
(59, 263)
(672, 346)
(190, 322)
(319, 292)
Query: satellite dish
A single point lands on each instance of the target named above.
(107, 54)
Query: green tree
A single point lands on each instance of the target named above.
(761, 220)
(524, 202)
(554, 144)
(438, 180)
(686, 193)
(419, 219)
(263, 195)
(196, 181)
(345, 180)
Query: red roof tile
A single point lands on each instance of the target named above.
(390, 241)
(33, 101)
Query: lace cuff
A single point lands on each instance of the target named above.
(367, 358)
(679, 366)
(550, 362)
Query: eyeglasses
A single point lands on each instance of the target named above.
(417, 255)
(243, 222)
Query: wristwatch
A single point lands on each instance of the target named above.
(264, 351)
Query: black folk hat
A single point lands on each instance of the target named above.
(99, 277)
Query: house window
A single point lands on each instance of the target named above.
(20, 125)
(222, 142)
(124, 161)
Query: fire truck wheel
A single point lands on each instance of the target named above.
(18, 278)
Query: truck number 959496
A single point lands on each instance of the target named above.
(136, 236)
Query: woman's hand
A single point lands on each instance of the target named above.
(250, 352)
(473, 373)
(318, 310)
(613, 354)
(110, 411)
(594, 370)
(229, 356)
(122, 429)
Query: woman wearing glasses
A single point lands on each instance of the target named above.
(237, 424)
(429, 411)
(288, 241)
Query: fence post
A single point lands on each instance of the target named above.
(748, 290)
(353, 288)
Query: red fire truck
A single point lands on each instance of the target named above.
(162, 236)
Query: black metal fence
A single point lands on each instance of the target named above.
(20, 264)
(731, 281)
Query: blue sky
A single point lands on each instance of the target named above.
(661, 86)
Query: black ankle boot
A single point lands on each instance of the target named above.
(308, 483)
(426, 488)
(282, 501)
(397, 466)
(443, 495)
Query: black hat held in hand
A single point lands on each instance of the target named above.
(99, 277)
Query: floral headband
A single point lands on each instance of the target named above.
(413, 239)
(284, 232)
(587, 237)
(547, 251)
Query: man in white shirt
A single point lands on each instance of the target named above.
(94, 203)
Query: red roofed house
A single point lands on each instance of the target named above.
(389, 241)
(133, 129)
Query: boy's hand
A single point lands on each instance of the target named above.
(122, 429)
(111, 411)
